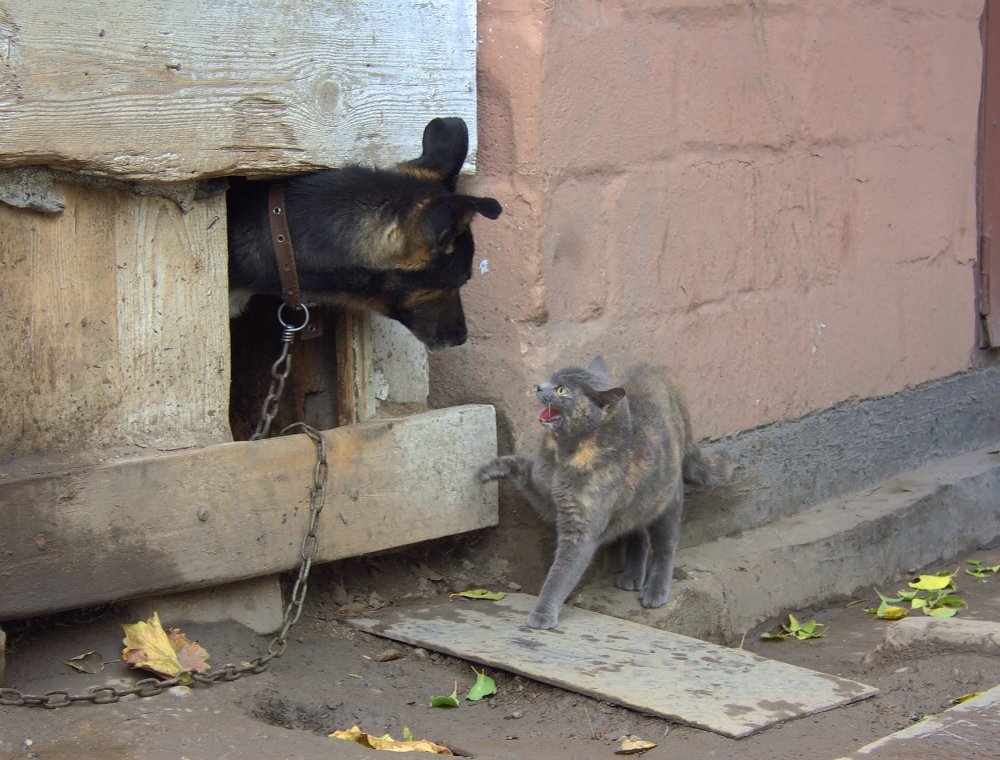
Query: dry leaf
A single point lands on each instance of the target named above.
(191, 654)
(633, 745)
(966, 697)
(149, 647)
(88, 662)
(387, 743)
(480, 593)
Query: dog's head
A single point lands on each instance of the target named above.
(424, 293)
(396, 240)
(422, 290)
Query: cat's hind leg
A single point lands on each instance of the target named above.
(633, 574)
(664, 536)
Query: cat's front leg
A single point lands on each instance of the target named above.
(571, 561)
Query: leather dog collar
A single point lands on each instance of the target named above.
(281, 241)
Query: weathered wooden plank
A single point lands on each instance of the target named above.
(730, 691)
(201, 517)
(169, 90)
(115, 324)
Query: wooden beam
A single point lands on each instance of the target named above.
(169, 90)
(185, 519)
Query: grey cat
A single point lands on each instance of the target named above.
(612, 464)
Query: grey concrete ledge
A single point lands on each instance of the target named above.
(790, 466)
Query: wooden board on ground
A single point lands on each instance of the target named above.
(206, 516)
(167, 91)
(730, 691)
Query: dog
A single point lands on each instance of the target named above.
(397, 241)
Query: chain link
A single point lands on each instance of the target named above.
(279, 373)
(150, 687)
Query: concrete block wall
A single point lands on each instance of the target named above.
(776, 199)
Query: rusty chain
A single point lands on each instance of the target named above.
(279, 373)
(150, 687)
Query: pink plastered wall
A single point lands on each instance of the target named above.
(774, 199)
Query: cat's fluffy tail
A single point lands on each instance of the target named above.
(700, 469)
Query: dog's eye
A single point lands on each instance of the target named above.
(560, 390)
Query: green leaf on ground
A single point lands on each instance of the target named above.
(451, 700)
(979, 570)
(888, 599)
(794, 628)
(483, 687)
(941, 612)
(932, 594)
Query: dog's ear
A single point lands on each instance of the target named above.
(449, 215)
(446, 144)
(488, 207)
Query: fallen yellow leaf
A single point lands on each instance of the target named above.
(966, 697)
(931, 582)
(892, 612)
(388, 744)
(633, 745)
(149, 647)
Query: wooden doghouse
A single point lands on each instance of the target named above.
(119, 475)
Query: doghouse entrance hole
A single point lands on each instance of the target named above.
(311, 388)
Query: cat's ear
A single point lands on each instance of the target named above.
(608, 398)
(597, 365)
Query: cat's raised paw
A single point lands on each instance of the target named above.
(542, 620)
(492, 470)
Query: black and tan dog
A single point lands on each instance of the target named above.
(396, 241)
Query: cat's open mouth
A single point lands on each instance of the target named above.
(549, 416)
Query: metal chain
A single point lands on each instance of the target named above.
(279, 373)
(149, 687)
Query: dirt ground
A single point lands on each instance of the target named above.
(331, 677)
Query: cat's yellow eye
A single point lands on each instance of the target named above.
(561, 390)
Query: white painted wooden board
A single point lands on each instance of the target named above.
(177, 89)
(730, 691)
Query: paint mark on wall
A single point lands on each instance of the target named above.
(820, 326)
